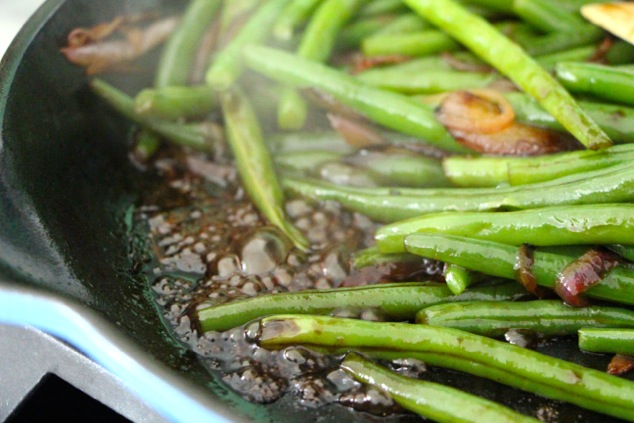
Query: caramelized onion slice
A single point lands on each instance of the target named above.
(484, 121)
(524, 271)
(476, 111)
(620, 364)
(100, 56)
(584, 273)
(356, 133)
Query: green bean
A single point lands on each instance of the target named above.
(423, 43)
(563, 380)
(620, 53)
(619, 341)
(234, 11)
(372, 257)
(400, 168)
(496, 374)
(316, 44)
(305, 162)
(176, 102)
(147, 143)
(579, 54)
(195, 136)
(610, 83)
(617, 121)
(468, 171)
(339, 173)
(396, 301)
(499, 260)
(386, 108)
(293, 15)
(254, 164)
(513, 62)
(625, 251)
(561, 41)
(548, 16)
(227, 67)
(306, 141)
(477, 172)
(379, 7)
(180, 49)
(429, 82)
(504, 6)
(428, 399)
(458, 279)
(547, 317)
(561, 225)
(351, 36)
(405, 23)
(614, 184)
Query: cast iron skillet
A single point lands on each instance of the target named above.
(66, 192)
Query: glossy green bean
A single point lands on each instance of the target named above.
(305, 162)
(400, 168)
(428, 82)
(607, 82)
(316, 44)
(254, 164)
(458, 279)
(620, 53)
(290, 142)
(504, 6)
(194, 136)
(227, 65)
(548, 16)
(180, 49)
(423, 43)
(578, 54)
(405, 23)
(438, 402)
(547, 317)
(618, 341)
(372, 257)
(293, 15)
(499, 260)
(468, 171)
(392, 110)
(561, 225)
(516, 64)
(614, 184)
(379, 7)
(616, 120)
(176, 102)
(395, 301)
(352, 35)
(566, 381)
(561, 41)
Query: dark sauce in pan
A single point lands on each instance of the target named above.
(209, 245)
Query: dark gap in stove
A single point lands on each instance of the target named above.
(54, 399)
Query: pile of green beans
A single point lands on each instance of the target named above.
(357, 89)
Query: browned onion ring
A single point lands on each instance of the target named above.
(584, 273)
(475, 111)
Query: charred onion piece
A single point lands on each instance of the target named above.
(363, 63)
(524, 271)
(81, 36)
(620, 365)
(100, 56)
(356, 132)
(582, 274)
(483, 121)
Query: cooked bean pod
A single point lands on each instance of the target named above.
(396, 301)
(607, 82)
(500, 260)
(544, 375)
(618, 341)
(176, 102)
(438, 402)
(547, 317)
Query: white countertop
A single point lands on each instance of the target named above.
(13, 14)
